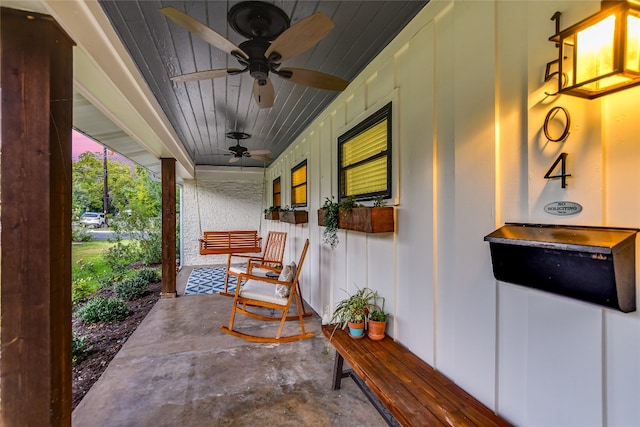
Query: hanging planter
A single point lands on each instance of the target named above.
(363, 219)
(272, 213)
(294, 217)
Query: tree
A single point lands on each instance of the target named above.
(130, 187)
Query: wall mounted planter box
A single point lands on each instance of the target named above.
(593, 264)
(273, 216)
(364, 219)
(294, 217)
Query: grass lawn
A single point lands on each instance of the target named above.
(87, 264)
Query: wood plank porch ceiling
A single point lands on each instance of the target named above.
(203, 112)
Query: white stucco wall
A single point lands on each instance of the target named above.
(223, 201)
(466, 82)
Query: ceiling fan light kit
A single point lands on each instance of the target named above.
(238, 151)
(271, 41)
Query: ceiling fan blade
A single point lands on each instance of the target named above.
(223, 149)
(301, 36)
(199, 29)
(314, 79)
(201, 75)
(264, 95)
(266, 159)
(258, 152)
(234, 159)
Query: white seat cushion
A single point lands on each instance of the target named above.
(236, 271)
(262, 291)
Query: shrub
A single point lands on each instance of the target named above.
(80, 235)
(118, 258)
(150, 251)
(151, 275)
(131, 288)
(101, 309)
(79, 348)
(80, 289)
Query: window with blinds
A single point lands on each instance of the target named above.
(299, 185)
(364, 158)
(276, 193)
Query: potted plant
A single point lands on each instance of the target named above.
(377, 319)
(272, 213)
(353, 311)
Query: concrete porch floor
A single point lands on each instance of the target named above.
(179, 369)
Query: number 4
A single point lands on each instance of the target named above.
(562, 159)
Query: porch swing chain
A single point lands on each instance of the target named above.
(264, 196)
(198, 207)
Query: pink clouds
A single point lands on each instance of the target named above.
(81, 143)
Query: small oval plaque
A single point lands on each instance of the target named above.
(563, 208)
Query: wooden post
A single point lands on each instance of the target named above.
(168, 228)
(36, 72)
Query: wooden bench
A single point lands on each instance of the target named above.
(403, 388)
(226, 242)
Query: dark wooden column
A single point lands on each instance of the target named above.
(168, 228)
(36, 72)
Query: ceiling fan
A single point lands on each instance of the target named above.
(238, 151)
(270, 42)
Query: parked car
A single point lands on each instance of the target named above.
(92, 219)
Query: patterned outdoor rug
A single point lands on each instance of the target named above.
(208, 280)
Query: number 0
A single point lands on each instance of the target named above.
(562, 159)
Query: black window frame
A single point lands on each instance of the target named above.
(374, 119)
(306, 180)
(279, 193)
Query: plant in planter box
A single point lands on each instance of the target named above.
(331, 218)
(293, 216)
(379, 202)
(353, 311)
(272, 212)
(377, 319)
(332, 211)
(348, 204)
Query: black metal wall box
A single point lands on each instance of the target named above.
(593, 264)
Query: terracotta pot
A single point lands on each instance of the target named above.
(356, 330)
(376, 329)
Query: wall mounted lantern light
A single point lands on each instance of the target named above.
(600, 54)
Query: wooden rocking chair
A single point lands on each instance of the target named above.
(270, 260)
(257, 293)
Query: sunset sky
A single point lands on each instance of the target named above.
(82, 143)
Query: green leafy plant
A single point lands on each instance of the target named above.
(81, 288)
(354, 308)
(150, 275)
(101, 309)
(376, 307)
(131, 288)
(118, 258)
(347, 205)
(331, 218)
(80, 234)
(379, 202)
(378, 315)
(79, 347)
(150, 248)
(272, 209)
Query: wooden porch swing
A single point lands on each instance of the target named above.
(228, 242)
